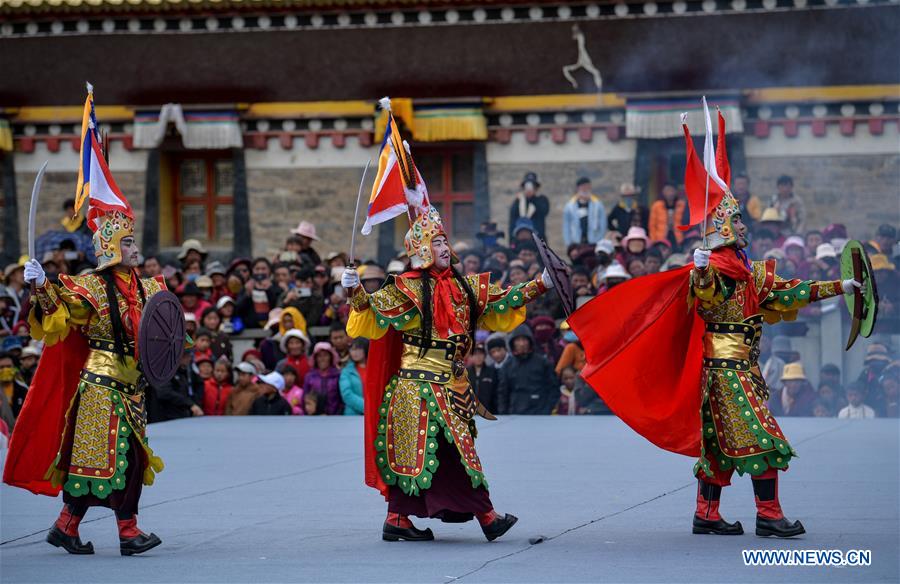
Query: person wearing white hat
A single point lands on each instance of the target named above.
(825, 251)
(192, 249)
(295, 347)
(612, 276)
(304, 235)
(270, 402)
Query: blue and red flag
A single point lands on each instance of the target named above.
(95, 181)
(398, 187)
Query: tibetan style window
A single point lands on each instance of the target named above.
(204, 205)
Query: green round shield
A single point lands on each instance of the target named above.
(863, 307)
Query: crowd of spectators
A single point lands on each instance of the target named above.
(288, 312)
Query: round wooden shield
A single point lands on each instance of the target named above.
(161, 337)
(855, 264)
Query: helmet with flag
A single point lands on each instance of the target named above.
(706, 185)
(399, 189)
(110, 216)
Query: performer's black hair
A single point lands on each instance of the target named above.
(427, 308)
(120, 336)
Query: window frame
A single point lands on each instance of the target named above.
(210, 200)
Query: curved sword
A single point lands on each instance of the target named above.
(32, 211)
(362, 181)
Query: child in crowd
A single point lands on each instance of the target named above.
(293, 393)
(567, 406)
(217, 389)
(856, 409)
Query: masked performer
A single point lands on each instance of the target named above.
(703, 396)
(424, 440)
(82, 427)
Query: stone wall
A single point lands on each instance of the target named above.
(281, 198)
(860, 191)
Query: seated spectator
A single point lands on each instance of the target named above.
(220, 344)
(527, 381)
(521, 233)
(353, 377)
(202, 346)
(652, 262)
(674, 261)
(204, 366)
(545, 340)
(471, 263)
(830, 397)
(12, 385)
(340, 342)
(244, 392)
(270, 402)
(216, 272)
(192, 250)
(877, 359)
(230, 323)
(666, 214)
(190, 324)
(180, 397)
(254, 357)
(372, 277)
(305, 297)
(483, 376)
(293, 392)
(797, 397)
(497, 349)
(821, 410)
(295, 346)
(314, 404)
(260, 295)
(572, 354)
(856, 408)
(517, 273)
(636, 242)
(192, 299)
(567, 404)
(581, 282)
(612, 276)
(772, 224)
(812, 240)
(218, 388)
(890, 388)
(28, 362)
(305, 233)
(635, 267)
(795, 251)
(324, 378)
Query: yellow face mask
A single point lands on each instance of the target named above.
(7, 373)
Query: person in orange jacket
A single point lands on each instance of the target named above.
(665, 214)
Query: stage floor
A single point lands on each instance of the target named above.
(283, 500)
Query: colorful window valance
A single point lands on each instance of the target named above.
(199, 129)
(661, 118)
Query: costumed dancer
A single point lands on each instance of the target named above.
(419, 404)
(704, 396)
(82, 427)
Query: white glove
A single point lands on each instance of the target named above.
(545, 278)
(35, 273)
(350, 278)
(849, 284)
(701, 257)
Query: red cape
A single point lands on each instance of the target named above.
(383, 363)
(38, 431)
(644, 351)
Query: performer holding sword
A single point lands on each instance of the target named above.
(703, 395)
(82, 427)
(419, 406)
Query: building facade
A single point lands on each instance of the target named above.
(230, 122)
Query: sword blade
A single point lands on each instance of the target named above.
(362, 181)
(32, 211)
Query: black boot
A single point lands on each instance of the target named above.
(706, 518)
(770, 520)
(399, 528)
(132, 540)
(64, 532)
(778, 527)
(499, 526)
(70, 543)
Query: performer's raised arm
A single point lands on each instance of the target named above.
(505, 309)
(785, 297)
(56, 310)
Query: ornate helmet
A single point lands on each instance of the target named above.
(109, 215)
(110, 229)
(706, 186)
(426, 226)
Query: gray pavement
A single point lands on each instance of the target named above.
(283, 500)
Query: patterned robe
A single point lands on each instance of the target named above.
(109, 407)
(431, 392)
(739, 431)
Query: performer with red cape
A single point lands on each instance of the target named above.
(82, 427)
(703, 396)
(419, 405)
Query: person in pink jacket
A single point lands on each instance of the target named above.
(293, 393)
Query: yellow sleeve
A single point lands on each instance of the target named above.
(707, 287)
(366, 321)
(505, 309)
(61, 311)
